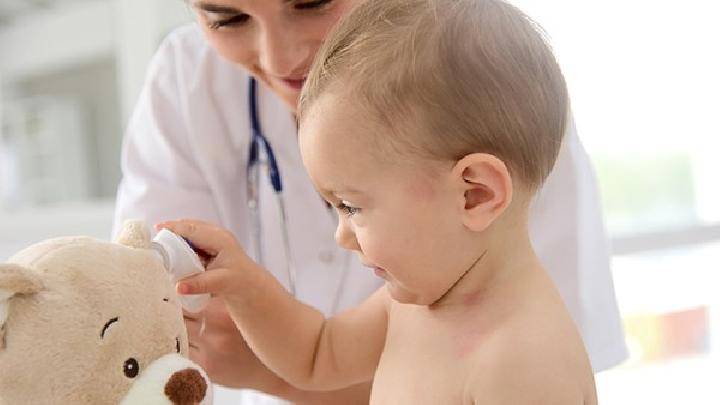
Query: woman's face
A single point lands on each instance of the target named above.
(276, 40)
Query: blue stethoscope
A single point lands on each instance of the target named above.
(261, 154)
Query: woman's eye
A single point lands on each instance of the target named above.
(347, 209)
(307, 5)
(238, 19)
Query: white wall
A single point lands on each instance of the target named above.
(93, 86)
(58, 39)
(96, 53)
(22, 228)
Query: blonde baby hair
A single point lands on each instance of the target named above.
(450, 78)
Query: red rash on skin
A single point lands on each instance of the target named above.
(470, 334)
(467, 340)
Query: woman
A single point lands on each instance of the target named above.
(196, 148)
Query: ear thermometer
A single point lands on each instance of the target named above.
(181, 261)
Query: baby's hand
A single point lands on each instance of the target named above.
(227, 266)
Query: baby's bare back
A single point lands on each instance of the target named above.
(520, 347)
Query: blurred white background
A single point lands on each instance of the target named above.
(644, 77)
(70, 72)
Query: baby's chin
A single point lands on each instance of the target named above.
(404, 296)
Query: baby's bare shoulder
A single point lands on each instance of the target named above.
(532, 362)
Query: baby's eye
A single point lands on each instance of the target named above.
(347, 209)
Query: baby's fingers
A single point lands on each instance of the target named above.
(216, 281)
(207, 237)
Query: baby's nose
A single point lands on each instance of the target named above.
(186, 387)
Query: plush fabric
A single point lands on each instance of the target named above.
(88, 321)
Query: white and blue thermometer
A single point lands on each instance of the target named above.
(181, 261)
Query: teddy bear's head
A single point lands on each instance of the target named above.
(87, 321)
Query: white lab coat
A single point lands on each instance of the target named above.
(185, 155)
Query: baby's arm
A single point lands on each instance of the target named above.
(293, 339)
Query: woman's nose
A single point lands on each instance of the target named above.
(283, 53)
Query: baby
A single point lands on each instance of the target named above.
(429, 125)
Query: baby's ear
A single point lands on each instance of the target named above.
(134, 234)
(14, 280)
(486, 187)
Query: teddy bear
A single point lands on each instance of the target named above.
(84, 321)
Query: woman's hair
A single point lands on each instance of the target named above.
(450, 78)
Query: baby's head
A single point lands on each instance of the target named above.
(423, 120)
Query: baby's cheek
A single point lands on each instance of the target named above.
(373, 249)
(388, 255)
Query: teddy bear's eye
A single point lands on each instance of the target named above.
(131, 368)
(177, 345)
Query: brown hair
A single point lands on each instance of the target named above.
(467, 75)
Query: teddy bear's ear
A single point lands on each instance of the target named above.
(14, 280)
(134, 234)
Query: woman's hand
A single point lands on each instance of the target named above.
(219, 348)
(217, 345)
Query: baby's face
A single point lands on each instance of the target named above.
(400, 213)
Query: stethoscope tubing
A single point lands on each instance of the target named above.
(258, 141)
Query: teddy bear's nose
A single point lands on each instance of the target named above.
(186, 387)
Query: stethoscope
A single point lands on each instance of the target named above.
(256, 158)
(261, 154)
